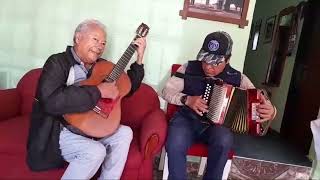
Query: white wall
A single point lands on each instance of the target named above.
(32, 30)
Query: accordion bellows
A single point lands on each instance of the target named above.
(236, 119)
(234, 108)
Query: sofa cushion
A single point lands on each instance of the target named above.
(13, 166)
(13, 134)
(10, 103)
(13, 139)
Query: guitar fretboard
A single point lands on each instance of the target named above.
(121, 64)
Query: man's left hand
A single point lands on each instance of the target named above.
(141, 43)
(266, 110)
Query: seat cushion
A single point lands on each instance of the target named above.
(13, 166)
(13, 139)
(198, 150)
(13, 134)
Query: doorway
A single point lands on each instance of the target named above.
(303, 99)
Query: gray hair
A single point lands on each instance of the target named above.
(85, 25)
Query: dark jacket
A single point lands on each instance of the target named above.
(53, 99)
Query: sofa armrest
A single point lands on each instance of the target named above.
(153, 133)
(10, 103)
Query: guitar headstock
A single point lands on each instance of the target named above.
(142, 30)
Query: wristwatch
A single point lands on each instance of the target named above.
(183, 99)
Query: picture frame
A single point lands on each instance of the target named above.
(228, 11)
(269, 29)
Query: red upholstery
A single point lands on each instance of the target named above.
(141, 112)
(196, 149)
(11, 109)
(27, 88)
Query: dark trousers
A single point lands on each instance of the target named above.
(185, 128)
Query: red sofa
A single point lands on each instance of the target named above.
(141, 112)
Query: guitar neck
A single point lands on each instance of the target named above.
(121, 64)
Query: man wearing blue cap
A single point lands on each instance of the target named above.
(185, 90)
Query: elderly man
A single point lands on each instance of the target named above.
(51, 140)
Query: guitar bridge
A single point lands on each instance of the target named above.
(97, 109)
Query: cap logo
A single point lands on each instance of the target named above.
(213, 45)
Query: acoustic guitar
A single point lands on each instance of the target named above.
(104, 119)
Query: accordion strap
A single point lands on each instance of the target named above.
(265, 94)
(179, 75)
(208, 79)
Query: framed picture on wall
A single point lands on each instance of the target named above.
(228, 11)
(269, 28)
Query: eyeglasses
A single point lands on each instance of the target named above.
(215, 64)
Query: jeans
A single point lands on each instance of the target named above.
(86, 155)
(185, 128)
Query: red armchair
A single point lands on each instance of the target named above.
(141, 112)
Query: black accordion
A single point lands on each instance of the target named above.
(234, 108)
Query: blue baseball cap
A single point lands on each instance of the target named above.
(215, 48)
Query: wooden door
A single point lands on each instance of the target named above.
(303, 100)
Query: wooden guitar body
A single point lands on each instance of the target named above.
(101, 124)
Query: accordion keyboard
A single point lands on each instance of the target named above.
(216, 97)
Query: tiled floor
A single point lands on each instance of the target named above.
(250, 169)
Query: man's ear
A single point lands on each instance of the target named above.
(228, 59)
(77, 38)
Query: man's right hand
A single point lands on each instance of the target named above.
(108, 90)
(197, 104)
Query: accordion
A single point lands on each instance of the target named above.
(234, 108)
